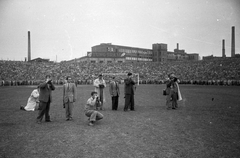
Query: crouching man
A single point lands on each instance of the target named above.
(90, 109)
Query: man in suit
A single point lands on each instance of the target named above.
(114, 92)
(176, 94)
(168, 93)
(69, 97)
(45, 98)
(129, 88)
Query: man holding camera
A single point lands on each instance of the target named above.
(99, 85)
(173, 92)
(129, 89)
(90, 109)
(45, 98)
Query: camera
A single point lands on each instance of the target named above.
(50, 81)
(101, 86)
(98, 102)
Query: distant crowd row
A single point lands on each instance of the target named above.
(219, 71)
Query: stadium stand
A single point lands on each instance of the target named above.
(223, 71)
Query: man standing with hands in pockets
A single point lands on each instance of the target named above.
(69, 97)
(114, 92)
(45, 98)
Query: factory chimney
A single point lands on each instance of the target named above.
(233, 42)
(29, 46)
(223, 49)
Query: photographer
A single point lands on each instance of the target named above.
(99, 85)
(175, 91)
(168, 93)
(90, 109)
(129, 90)
(45, 98)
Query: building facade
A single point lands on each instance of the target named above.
(108, 53)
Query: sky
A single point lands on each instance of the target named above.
(67, 29)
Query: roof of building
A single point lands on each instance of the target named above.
(40, 60)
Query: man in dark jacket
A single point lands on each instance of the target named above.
(129, 88)
(45, 98)
(168, 93)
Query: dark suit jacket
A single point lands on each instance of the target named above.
(114, 89)
(45, 93)
(129, 86)
(168, 87)
(69, 93)
(171, 87)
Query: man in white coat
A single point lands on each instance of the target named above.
(99, 85)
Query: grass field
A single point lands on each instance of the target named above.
(206, 125)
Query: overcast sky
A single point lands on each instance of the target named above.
(69, 28)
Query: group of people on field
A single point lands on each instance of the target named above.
(41, 98)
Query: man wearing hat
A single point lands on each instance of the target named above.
(175, 91)
(99, 85)
(45, 98)
(129, 88)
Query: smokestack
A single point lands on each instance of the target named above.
(233, 42)
(223, 49)
(177, 46)
(29, 46)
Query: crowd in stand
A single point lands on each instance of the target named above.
(223, 71)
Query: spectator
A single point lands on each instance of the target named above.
(99, 85)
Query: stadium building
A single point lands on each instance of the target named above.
(108, 53)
